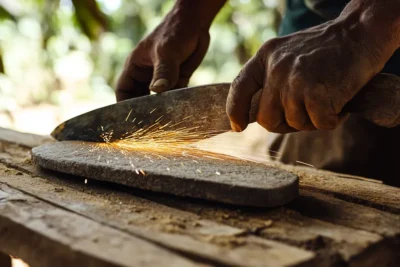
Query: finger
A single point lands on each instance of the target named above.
(270, 114)
(321, 110)
(136, 89)
(182, 83)
(165, 76)
(296, 115)
(133, 82)
(245, 85)
(193, 62)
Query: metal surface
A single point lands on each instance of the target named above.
(202, 109)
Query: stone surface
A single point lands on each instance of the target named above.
(212, 177)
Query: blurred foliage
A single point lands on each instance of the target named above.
(57, 51)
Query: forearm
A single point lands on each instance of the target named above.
(380, 20)
(199, 12)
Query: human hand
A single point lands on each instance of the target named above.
(166, 59)
(308, 77)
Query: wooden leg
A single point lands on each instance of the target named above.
(5, 260)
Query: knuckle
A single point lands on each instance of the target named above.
(296, 117)
(271, 44)
(297, 82)
(233, 90)
(326, 123)
(160, 50)
(230, 110)
(240, 79)
(231, 104)
(297, 123)
(161, 68)
(276, 69)
(267, 124)
(322, 116)
(163, 48)
(300, 63)
(280, 64)
(130, 61)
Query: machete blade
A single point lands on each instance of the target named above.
(200, 109)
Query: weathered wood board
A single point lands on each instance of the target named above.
(206, 241)
(336, 221)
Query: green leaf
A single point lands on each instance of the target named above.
(92, 21)
(5, 14)
(2, 69)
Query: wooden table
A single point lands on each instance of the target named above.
(51, 219)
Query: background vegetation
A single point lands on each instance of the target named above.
(59, 58)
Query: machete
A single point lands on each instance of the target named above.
(202, 109)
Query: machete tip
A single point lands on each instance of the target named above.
(57, 132)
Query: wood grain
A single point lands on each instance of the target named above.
(45, 235)
(335, 220)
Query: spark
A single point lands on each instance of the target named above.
(167, 141)
(86, 181)
(152, 110)
(157, 120)
(127, 117)
(309, 165)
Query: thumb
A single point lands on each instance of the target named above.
(246, 84)
(165, 76)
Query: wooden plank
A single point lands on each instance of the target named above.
(350, 188)
(23, 139)
(334, 244)
(45, 235)
(347, 244)
(326, 237)
(353, 215)
(179, 231)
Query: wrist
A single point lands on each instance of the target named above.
(379, 19)
(375, 25)
(199, 13)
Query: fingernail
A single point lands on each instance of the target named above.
(235, 127)
(160, 85)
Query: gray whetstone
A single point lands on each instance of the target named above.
(229, 181)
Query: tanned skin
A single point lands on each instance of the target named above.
(306, 77)
(167, 58)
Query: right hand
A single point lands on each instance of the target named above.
(164, 60)
(308, 77)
